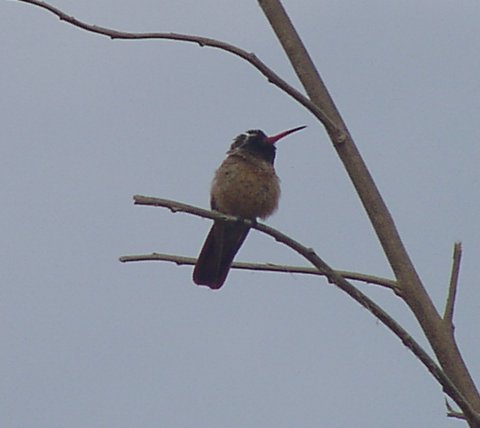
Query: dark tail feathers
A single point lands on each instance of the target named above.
(222, 243)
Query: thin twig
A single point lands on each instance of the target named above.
(251, 58)
(266, 267)
(457, 415)
(451, 413)
(335, 278)
(452, 289)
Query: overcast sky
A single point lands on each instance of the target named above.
(88, 122)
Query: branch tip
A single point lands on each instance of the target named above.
(452, 289)
(202, 42)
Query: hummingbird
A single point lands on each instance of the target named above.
(245, 186)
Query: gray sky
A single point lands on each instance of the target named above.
(88, 122)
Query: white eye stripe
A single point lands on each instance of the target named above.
(247, 136)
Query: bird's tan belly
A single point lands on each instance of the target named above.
(245, 189)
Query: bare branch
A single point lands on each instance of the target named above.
(251, 58)
(333, 277)
(266, 267)
(414, 293)
(452, 289)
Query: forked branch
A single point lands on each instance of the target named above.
(415, 295)
(333, 277)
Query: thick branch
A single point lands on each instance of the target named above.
(452, 289)
(439, 336)
(265, 267)
(333, 277)
(202, 41)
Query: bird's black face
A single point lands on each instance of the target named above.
(256, 142)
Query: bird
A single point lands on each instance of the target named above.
(245, 186)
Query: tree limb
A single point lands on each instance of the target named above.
(333, 277)
(452, 289)
(415, 295)
(251, 58)
(266, 267)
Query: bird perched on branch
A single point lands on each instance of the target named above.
(244, 186)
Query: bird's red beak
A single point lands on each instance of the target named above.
(274, 138)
